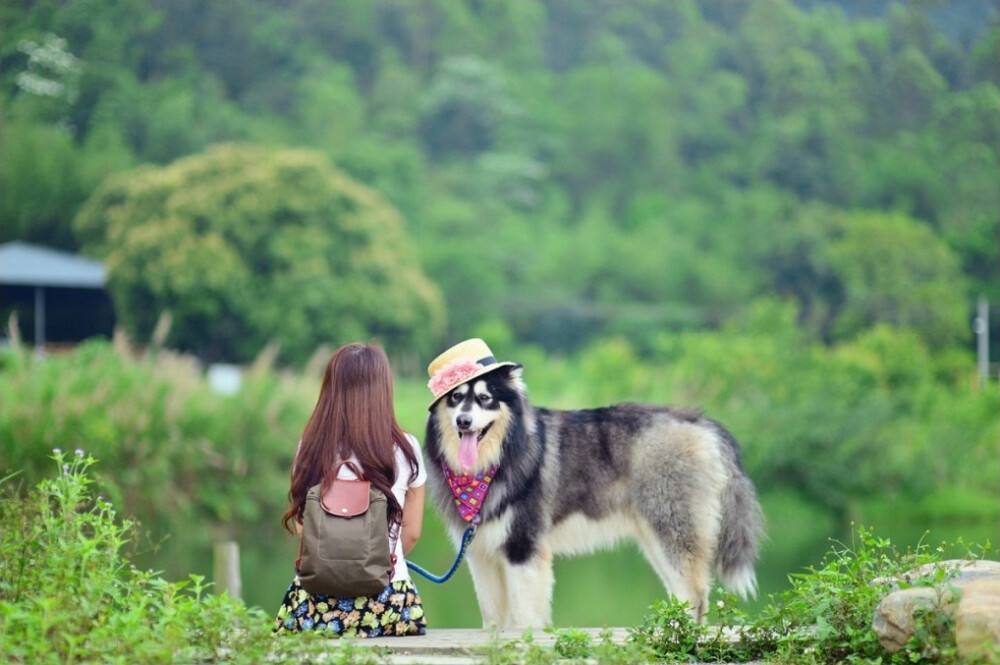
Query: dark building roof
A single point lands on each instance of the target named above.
(32, 265)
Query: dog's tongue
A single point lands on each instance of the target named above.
(467, 450)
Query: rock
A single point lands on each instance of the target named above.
(971, 593)
(977, 619)
(894, 621)
(961, 570)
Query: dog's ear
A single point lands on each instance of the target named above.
(514, 375)
(515, 371)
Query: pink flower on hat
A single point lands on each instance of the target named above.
(451, 375)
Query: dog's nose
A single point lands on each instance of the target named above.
(463, 421)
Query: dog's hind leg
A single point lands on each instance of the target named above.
(529, 587)
(686, 575)
(677, 480)
(490, 581)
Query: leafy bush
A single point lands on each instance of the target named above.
(669, 629)
(574, 644)
(825, 617)
(906, 421)
(243, 245)
(881, 405)
(45, 176)
(67, 594)
(176, 453)
(894, 269)
(173, 452)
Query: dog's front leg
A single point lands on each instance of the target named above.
(529, 591)
(489, 579)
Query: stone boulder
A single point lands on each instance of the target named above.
(971, 594)
(895, 617)
(977, 619)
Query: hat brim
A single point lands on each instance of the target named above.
(485, 370)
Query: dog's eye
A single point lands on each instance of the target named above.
(455, 398)
(483, 398)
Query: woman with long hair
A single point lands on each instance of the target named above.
(354, 422)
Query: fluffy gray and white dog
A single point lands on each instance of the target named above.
(569, 482)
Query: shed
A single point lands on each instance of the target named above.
(63, 292)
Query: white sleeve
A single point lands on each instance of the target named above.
(421, 471)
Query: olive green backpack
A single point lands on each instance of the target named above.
(345, 547)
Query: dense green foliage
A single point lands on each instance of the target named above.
(244, 245)
(572, 169)
(176, 452)
(69, 594)
(173, 453)
(194, 466)
(777, 211)
(825, 617)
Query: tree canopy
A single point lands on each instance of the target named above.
(244, 245)
(571, 169)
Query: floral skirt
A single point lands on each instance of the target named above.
(395, 611)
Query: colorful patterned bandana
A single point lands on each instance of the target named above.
(469, 490)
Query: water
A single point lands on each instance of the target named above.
(610, 588)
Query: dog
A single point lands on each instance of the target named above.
(571, 481)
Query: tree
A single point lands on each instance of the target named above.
(893, 269)
(244, 244)
(464, 108)
(45, 176)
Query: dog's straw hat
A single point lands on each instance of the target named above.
(462, 362)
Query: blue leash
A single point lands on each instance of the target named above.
(441, 579)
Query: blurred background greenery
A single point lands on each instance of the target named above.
(782, 212)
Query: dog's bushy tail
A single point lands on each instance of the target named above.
(739, 537)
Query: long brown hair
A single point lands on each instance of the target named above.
(353, 417)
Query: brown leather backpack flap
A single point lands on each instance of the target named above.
(346, 498)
